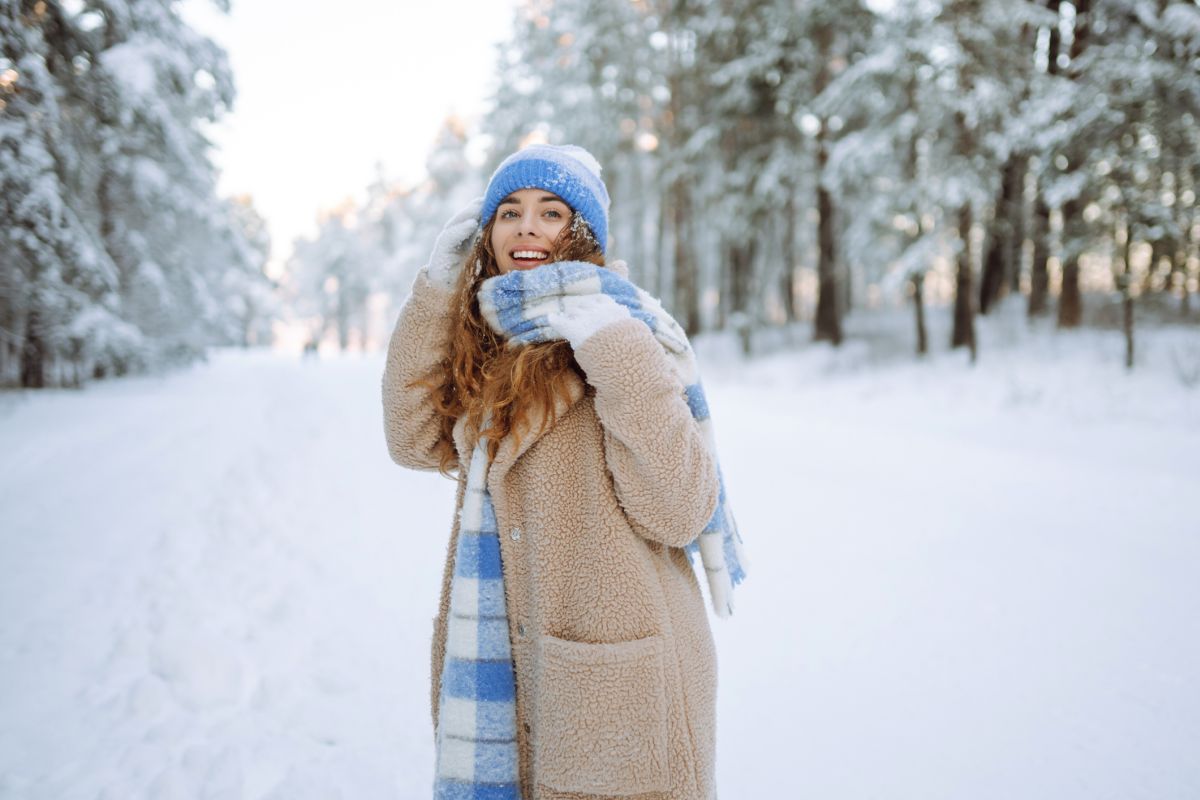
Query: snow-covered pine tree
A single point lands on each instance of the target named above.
(377, 249)
(330, 278)
(1014, 50)
(120, 248)
(1118, 144)
(154, 81)
(930, 128)
(57, 287)
(758, 74)
(250, 301)
(1138, 68)
(887, 169)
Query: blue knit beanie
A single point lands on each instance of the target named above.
(568, 171)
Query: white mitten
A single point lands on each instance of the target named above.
(451, 245)
(581, 315)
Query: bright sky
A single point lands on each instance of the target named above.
(325, 91)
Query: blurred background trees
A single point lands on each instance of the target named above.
(117, 253)
(774, 166)
(778, 165)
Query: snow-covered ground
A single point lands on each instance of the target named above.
(965, 582)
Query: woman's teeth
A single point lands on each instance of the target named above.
(528, 255)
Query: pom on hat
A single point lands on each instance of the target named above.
(568, 171)
(582, 156)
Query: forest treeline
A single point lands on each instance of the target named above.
(116, 254)
(774, 162)
(771, 163)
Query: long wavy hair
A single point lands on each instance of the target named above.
(482, 375)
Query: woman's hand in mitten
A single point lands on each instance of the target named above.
(450, 247)
(579, 316)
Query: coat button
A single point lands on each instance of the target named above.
(520, 629)
(515, 534)
(527, 727)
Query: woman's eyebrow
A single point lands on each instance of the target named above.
(547, 199)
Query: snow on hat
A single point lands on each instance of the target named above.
(569, 171)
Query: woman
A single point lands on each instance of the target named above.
(572, 655)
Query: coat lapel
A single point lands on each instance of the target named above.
(509, 450)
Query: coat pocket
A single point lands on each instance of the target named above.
(601, 717)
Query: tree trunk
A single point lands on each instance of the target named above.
(1125, 283)
(741, 265)
(724, 287)
(1039, 272)
(1179, 266)
(787, 286)
(1179, 276)
(917, 280)
(1156, 254)
(33, 353)
(1070, 301)
(1070, 306)
(1127, 308)
(687, 295)
(343, 324)
(991, 280)
(1055, 41)
(964, 315)
(1189, 243)
(1185, 302)
(637, 229)
(998, 261)
(1192, 244)
(828, 323)
(963, 333)
(1016, 224)
(660, 251)
(845, 284)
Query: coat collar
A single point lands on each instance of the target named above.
(509, 451)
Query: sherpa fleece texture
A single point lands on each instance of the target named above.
(614, 659)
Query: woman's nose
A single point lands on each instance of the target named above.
(526, 225)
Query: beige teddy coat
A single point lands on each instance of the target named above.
(614, 660)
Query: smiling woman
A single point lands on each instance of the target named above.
(528, 224)
(540, 199)
(572, 655)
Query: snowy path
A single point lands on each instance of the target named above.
(216, 585)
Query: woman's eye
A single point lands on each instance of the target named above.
(509, 214)
(554, 213)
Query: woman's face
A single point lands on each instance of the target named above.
(527, 224)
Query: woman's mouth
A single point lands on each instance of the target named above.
(529, 257)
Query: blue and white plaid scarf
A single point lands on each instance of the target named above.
(476, 737)
(517, 303)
